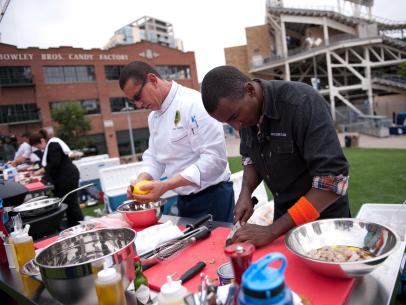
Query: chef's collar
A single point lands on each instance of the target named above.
(169, 98)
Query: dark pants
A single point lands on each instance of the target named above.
(73, 212)
(217, 200)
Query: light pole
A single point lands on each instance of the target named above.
(311, 42)
(130, 129)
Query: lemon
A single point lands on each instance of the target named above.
(136, 187)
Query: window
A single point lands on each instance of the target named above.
(174, 72)
(99, 142)
(140, 137)
(91, 106)
(68, 74)
(117, 104)
(19, 113)
(15, 76)
(113, 72)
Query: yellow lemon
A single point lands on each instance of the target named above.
(136, 187)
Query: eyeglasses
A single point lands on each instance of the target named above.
(137, 96)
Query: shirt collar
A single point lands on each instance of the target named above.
(169, 98)
(269, 104)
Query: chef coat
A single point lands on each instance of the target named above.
(185, 140)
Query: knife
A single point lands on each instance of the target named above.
(198, 223)
(190, 273)
(237, 225)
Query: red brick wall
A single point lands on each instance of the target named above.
(102, 89)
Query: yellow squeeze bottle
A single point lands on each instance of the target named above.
(109, 287)
(24, 248)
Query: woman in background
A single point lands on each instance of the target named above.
(60, 171)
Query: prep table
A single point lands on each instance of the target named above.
(375, 288)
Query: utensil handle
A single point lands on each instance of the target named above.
(190, 273)
(197, 223)
(75, 190)
(204, 233)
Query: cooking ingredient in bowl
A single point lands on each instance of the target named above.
(109, 288)
(136, 187)
(338, 253)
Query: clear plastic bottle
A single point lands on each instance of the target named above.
(24, 247)
(109, 287)
(172, 293)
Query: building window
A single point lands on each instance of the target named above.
(98, 143)
(174, 72)
(113, 72)
(140, 137)
(19, 113)
(15, 76)
(91, 106)
(68, 74)
(117, 104)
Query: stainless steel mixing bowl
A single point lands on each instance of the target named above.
(141, 214)
(68, 267)
(375, 238)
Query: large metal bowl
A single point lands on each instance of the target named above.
(141, 215)
(68, 267)
(375, 238)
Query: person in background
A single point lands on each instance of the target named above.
(185, 144)
(288, 140)
(60, 171)
(24, 150)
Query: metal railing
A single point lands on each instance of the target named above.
(341, 11)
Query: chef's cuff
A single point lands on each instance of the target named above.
(336, 184)
(192, 173)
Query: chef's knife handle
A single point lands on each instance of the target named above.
(192, 272)
(204, 233)
(197, 223)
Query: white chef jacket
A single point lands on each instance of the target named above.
(24, 150)
(185, 140)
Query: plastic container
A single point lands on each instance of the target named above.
(263, 285)
(172, 293)
(9, 173)
(24, 247)
(109, 287)
(3, 255)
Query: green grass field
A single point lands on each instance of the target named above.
(376, 175)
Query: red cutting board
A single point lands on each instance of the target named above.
(320, 290)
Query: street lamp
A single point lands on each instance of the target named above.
(128, 109)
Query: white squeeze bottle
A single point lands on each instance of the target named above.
(172, 293)
(109, 287)
(24, 248)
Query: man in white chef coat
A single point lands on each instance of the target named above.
(186, 145)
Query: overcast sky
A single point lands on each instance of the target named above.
(205, 26)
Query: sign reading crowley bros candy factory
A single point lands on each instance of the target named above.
(60, 56)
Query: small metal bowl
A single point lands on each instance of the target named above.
(372, 237)
(141, 214)
(77, 229)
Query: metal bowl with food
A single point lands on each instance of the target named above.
(354, 247)
(85, 227)
(141, 214)
(68, 266)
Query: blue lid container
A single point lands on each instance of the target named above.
(262, 284)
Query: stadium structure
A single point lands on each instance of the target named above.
(351, 57)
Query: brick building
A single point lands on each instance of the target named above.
(33, 81)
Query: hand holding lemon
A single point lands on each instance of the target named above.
(136, 187)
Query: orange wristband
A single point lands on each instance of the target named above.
(303, 211)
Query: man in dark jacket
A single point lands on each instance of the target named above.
(289, 141)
